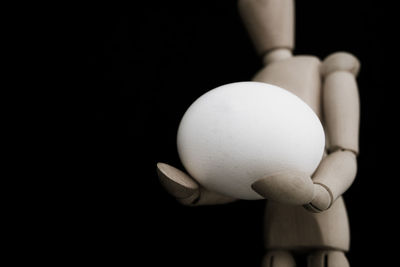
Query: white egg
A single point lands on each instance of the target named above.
(240, 132)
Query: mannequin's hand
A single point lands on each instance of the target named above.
(178, 184)
(186, 190)
(294, 188)
(322, 199)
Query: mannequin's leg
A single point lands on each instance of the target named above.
(328, 258)
(278, 258)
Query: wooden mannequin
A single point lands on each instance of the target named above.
(319, 227)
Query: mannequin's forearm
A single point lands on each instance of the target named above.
(336, 172)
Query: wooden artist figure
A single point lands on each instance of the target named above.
(310, 217)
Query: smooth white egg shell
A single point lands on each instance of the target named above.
(240, 132)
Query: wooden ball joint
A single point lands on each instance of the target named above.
(311, 216)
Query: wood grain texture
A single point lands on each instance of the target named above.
(176, 182)
(276, 55)
(270, 23)
(278, 258)
(299, 74)
(323, 258)
(323, 198)
(337, 171)
(290, 227)
(185, 189)
(288, 187)
(340, 61)
(208, 197)
(341, 110)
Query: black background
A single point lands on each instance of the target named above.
(146, 63)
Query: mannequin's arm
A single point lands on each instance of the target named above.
(341, 109)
